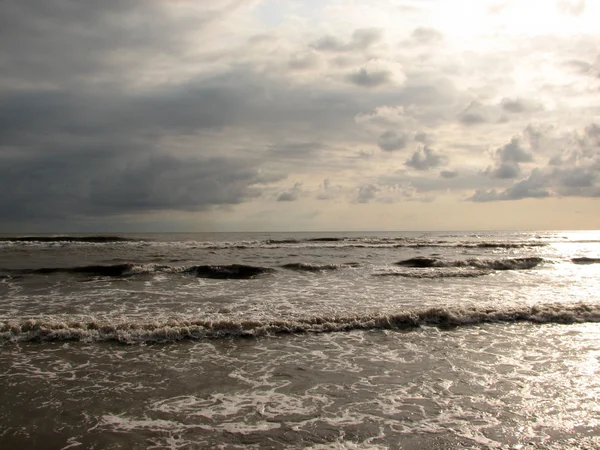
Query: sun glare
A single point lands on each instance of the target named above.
(473, 18)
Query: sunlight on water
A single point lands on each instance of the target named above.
(453, 340)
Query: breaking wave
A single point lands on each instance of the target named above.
(229, 271)
(281, 241)
(489, 264)
(113, 270)
(326, 239)
(68, 239)
(310, 267)
(325, 242)
(438, 268)
(585, 260)
(173, 330)
(435, 274)
(365, 243)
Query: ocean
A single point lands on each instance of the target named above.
(404, 340)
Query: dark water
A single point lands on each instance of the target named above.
(305, 340)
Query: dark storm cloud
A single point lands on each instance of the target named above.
(167, 182)
(134, 106)
(425, 159)
(98, 183)
(91, 149)
(72, 138)
(58, 41)
(184, 108)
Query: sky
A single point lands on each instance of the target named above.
(316, 115)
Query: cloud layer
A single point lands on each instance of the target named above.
(118, 112)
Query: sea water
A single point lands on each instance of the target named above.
(300, 340)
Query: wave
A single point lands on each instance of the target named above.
(438, 268)
(113, 270)
(172, 330)
(310, 267)
(436, 274)
(324, 242)
(585, 260)
(57, 239)
(490, 264)
(366, 243)
(230, 271)
(501, 244)
(326, 239)
(281, 241)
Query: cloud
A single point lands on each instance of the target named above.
(384, 117)
(449, 174)
(513, 152)
(291, 195)
(367, 193)
(423, 137)
(370, 79)
(480, 113)
(582, 67)
(98, 184)
(112, 110)
(508, 158)
(518, 105)
(306, 61)
(505, 170)
(534, 186)
(424, 35)
(573, 172)
(50, 44)
(571, 7)
(425, 159)
(376, 73)
(391, 141)
(328, 191)
(472, 118)
(361, 39)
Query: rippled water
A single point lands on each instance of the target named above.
(406, 340)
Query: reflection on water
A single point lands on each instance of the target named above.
(481, 386)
